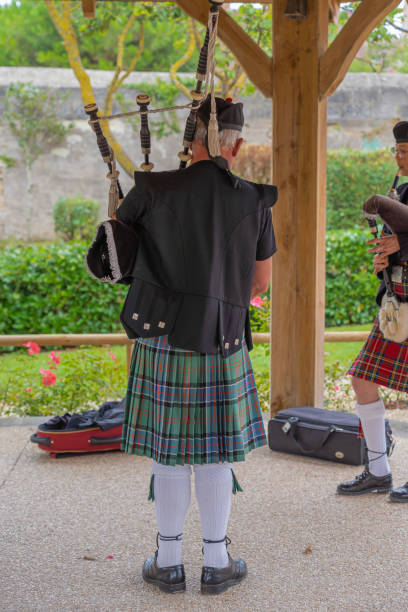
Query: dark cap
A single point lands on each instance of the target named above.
(400, 130)
(230, 116)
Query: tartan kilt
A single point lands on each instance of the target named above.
(382, 361)
(184, 407)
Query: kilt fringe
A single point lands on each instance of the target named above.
(151, 489)
(191, 408)
(236, 487)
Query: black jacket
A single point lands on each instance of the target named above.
(402, 191)
(199, 240)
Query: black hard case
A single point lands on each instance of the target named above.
(325, 434)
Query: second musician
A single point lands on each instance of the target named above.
(382, 362)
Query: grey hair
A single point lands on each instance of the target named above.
(228, 138)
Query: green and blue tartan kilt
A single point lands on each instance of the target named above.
(184, 407)
(382, 361)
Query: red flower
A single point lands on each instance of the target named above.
(28, 389)
(54, 357)
(258, 302)
(112, 354)
(49, 378)
(33, 348)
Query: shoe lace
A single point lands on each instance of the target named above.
(362, 476)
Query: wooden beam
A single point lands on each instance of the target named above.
(299, 171)
(255, 62)
(88, 8)
(338, 57)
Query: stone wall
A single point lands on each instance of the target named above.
(360, 115)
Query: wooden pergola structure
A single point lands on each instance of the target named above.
(300, 76)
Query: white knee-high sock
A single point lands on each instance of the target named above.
(213, 487)
(172, 494)
(373, 424)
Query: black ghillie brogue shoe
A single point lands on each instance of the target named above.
(169, 579)
(215, 580)
(400, 495)
(366, 483)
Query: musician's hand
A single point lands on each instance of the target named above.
(380, 262)
(386, 245)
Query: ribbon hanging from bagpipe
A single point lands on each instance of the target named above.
(115, 190)
(205, 72)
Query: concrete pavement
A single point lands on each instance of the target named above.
(307, 549)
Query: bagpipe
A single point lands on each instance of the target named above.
(393, 313)
(112, 254)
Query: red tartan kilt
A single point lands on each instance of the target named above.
(382, 361)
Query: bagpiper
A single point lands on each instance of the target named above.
(383, 360)
(205, 245)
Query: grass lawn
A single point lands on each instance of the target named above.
(20, 361)
(343, 352)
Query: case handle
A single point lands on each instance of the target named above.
(291, 426)
(44, 441)
(95, 441)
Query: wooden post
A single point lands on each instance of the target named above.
(299, 166)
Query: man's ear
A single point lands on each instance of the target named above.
(237, 147)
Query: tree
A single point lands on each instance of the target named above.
(29, 38)
(31, 115)
(384, 49)
(130, 45)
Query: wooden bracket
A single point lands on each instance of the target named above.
(255, 62)
(296, 9)
(88, 8)
(335, 62)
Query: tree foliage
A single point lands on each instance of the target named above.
(28, 37)
(386, 47)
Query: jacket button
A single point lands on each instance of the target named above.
(226, 345)
(162, 324)
(135, 316)
(146, 326)
(236, 341)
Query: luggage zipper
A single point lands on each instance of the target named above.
(287, 425)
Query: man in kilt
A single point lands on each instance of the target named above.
(206, 241)
(382, 362)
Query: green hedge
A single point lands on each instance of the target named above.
(46, 289)
(352, 177)
(351, 286)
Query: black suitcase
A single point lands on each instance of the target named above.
(325, 434)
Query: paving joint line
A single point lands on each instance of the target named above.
(11, 470)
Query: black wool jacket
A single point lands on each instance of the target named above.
(199, 239)
(402, 191)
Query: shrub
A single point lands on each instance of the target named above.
(352, 176)
(254, 163)
(76, 218)
(351, 285)
(82, 379)
(46, 288)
